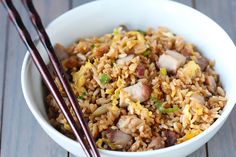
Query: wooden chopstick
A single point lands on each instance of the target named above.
(26, 38)
(36, 21)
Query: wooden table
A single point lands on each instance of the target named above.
(21, 135)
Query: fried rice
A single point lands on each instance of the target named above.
(139, 90)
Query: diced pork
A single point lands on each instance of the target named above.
(171, 138)
(187, 50)
(156, 143)
(176, 55)
(138, 92)
(100, 51)
(140, 71)
(118, 139)
(70, 63)
(172, 60)
(128, 123)
(132, 125)
(202, 62)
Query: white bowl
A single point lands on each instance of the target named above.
(100, 17)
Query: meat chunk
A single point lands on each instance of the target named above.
(211, 83)
(60, 52)
(118, 140)
(172, 60)
(132, 125)
(156, 143)
(70, 63)
(138, 92)
(171, 138)
(202, 62)
(177, 56)
(124, 59)
(127, 124)
(168, 62)
(140, 71)
(187, 50)
(100, 51)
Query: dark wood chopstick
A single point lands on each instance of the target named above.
(26, 38)
(36, 21)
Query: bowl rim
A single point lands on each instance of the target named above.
(51, 129)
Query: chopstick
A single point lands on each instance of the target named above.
(90, 149)
(36, 21)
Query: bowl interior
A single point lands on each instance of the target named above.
(100, 17)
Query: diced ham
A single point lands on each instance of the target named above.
(156, 143)
(171, 138)
(139, 92)
(60, 52)
(172, 60)
(118, 139)
(124, 59)
(211, 83)
(140, 70)
(202, 62)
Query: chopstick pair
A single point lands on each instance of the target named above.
(89, 147)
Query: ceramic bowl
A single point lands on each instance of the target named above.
(100, 17)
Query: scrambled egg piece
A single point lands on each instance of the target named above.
(115, 96)
(109, 91)
(78, 77)
(189, 134)
(140, 36)
(198, 109)
(186, 118)
(137, 108)
(99, 143)
(191, 69)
